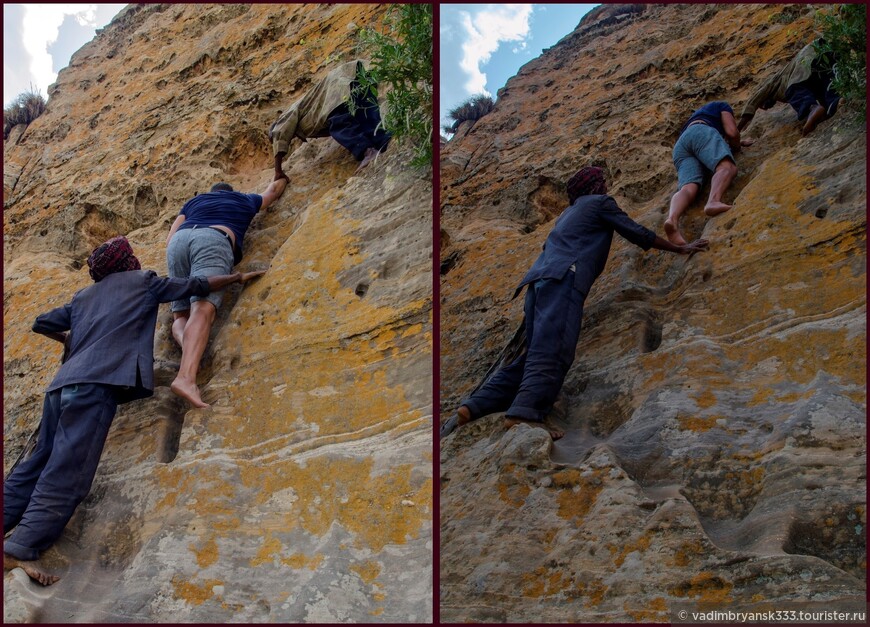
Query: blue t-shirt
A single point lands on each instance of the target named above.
(233, 210)
(710, 114)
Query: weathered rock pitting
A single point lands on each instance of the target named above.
(715, 454)
(304, 492)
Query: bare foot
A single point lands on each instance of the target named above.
(673, 234)
(461, 417)
(554, 433)
(371, 153)
(464, 415)
(187, 391)
(816, 116)
(715, 208)
(31, 568)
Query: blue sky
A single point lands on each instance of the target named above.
(39, 39)
(483, 45)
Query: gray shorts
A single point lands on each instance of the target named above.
(699, 147)
(199, 252)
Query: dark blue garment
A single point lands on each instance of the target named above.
(359, 131)
(109, 360)
(528, 387)
(111, 326)
(43, 491)
(711, 115)
(815, 90)
(553, 309)
(233, 210)
(582, 236)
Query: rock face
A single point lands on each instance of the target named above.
(304, 492)
(715, 412)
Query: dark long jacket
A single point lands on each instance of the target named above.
(111, 325)
(581, 237)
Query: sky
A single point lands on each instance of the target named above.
(39, 39)
(483, 45)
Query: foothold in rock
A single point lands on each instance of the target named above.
(652, 335)
(361, 289)
(448, 264)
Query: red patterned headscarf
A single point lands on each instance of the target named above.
(116, 255)
(589, 180)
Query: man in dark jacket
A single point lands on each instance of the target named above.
(574, 255)
(109, 361)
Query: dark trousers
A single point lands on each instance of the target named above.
(359, 131)
(43, 491)
(528, 387)
(815, 90)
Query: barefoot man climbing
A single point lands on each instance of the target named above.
(702, 148)
(109, 360)
(574, 255)
(206, 240)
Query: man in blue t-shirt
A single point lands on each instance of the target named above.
(702, 148)
(206, 240)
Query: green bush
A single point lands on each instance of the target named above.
(472, 109)
(401, 59)
(843, 48)
(23, 110)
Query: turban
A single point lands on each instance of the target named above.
(116, 255)
(589, 180)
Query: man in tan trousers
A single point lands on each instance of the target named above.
(324, 112)
(804, 84)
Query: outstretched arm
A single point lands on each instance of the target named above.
(732, 135)
(279, 172)
(745, 119)
(274, 191)
(685, 249)
(732, 130)
(221, 281)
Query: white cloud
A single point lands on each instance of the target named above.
(521, 47)
(486, 30)
(446, 32)
(40, 28)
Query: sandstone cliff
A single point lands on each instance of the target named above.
(715, 413)
(304, 492)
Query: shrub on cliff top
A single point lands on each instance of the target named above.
(843, 47)
(24, 109)
(401, 58)
(472, 109)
